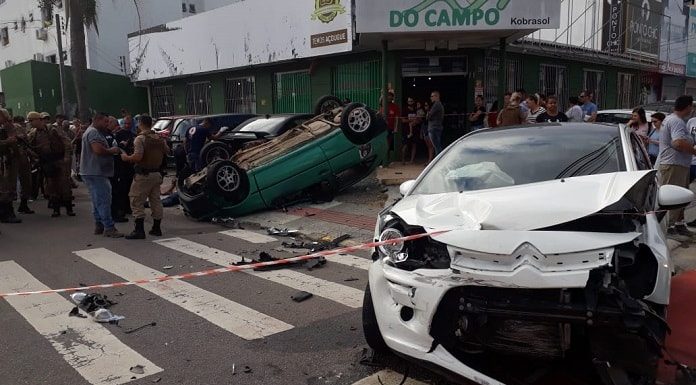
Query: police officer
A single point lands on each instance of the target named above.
(50, 147)
(8, 168)
(148, 157)
(24, 166)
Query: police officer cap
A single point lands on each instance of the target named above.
(45, 115)
(33, 115)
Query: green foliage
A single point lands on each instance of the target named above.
(88, 9)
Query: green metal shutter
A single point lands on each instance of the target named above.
(359, 82)
(292, 93)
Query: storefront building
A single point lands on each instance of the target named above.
(270, 57)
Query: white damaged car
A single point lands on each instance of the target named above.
(554, 256)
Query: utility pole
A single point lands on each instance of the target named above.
(61, 66)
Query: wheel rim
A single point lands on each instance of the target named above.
(218, 153)
(359, 120)
(329, 106)
(228, 179)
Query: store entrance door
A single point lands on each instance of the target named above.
(448, 75)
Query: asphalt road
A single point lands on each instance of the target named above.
(234, 328)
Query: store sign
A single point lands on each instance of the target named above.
(643, 27)
(691, 54)
(612, 37)
(455, 15)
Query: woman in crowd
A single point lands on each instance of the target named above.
(654, 136)
(639, 122)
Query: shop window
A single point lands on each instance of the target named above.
(4, 36)
(292, 92)
(359, 82)
(513, 81)
(192, 8)
(184, 8)
(553, 80)
(240, 95)
(198, 98)
(629, 89)
(163, 101)
(596, 82)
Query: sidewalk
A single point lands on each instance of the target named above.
(397, 173)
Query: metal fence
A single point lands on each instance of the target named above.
(553, 80)
(240, 95)
(514, 77)
(596, 82)
(163, 101)
(359, 82)
(198, 98)
(292, 92)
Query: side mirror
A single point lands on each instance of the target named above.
(674, 197)
(406, 187)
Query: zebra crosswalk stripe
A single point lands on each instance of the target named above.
(249, 236)
(342, 294)
(96, 354)
(238, 319)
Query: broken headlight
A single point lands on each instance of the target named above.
(423, 253)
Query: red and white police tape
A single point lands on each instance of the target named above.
(228, 269)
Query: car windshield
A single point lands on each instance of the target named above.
(161, 124)
(511, 157)
(182, 126)
(264, 125)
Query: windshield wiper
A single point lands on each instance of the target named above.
(592, 162)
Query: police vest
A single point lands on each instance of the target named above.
(153, 152)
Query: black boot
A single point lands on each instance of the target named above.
(56, 209)
(24, 208)
(7, 214)
(156, 229)
(69, 209)
(139, 231)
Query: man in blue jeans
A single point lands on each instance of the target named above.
(96, 167)
(435, 117)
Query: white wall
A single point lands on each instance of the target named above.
(239, 35)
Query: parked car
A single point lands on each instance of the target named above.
(619, 116)
(164, 126)
(257, 128)
(325, 154)
(553, 256)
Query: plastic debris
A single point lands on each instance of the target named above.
(227, 222)
(282, 232)
(167, 267)
(138, 369)
(351, 279)
(106, 316)
(156, 380)
(315, 263)
(302, 296)
(75, 312)
(247, 369)
(78, 297)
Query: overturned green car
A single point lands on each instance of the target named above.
(336, 149)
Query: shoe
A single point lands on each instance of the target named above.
(156, 228)
(98, 229)
(112, 233)
(56, 213)
(7, 215)
(24, 208)
(139, 231)
(683, 231)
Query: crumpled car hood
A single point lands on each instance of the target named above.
(518, 208)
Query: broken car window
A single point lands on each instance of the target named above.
(506, 157)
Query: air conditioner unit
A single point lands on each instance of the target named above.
(39, 57)
(42, 34)
(9, 63)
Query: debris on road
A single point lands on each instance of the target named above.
(138, 369)
(129, 331)
(302, 296)
(351, 279)
(167, 267)
(318, 246)
(247, 369)
(156, 380)
(234, 371)
(227, 222)
(106, 316)
(75, 312)
(282, 232)
(315, 263)
(369, 358)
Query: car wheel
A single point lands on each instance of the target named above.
(370, 327)
(228, 180)
(215, 151)
(326, 104)
(360, 124)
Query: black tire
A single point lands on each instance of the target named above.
(228, 180)
(326, 104)
(215, 151)
(370, 327)
(360, 124)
